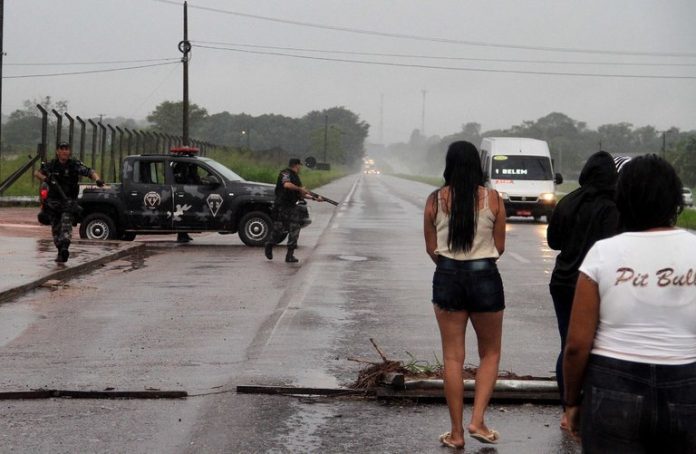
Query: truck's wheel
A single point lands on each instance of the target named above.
(97, 226)
(254, 228)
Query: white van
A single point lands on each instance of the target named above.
(521, 170)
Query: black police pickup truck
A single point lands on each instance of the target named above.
(178, 192)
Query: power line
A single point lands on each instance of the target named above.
(87, 72)
(451, 68)
(147, 98)
(93, 62)
(430, 38)
(434, 57)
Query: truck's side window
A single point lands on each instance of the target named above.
(149, 172)
(188, 173)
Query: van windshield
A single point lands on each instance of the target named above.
(516, 167)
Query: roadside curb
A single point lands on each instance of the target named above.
(71, 272)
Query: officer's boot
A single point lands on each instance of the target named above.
(268, 250)
(183, 237)
(63, 253)
(289, 257)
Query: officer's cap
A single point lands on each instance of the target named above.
(63, 145)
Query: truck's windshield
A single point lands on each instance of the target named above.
(222, 170)
(516, 167)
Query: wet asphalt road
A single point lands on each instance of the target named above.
(210, 315)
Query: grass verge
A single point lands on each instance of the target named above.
(687, 219)
(243, 164)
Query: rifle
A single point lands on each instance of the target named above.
(70, 205)
(315, 195)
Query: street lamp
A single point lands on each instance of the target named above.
(247, 134)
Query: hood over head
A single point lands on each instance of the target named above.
(599, 171)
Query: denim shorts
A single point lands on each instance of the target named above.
(638, 407)
(471, 285)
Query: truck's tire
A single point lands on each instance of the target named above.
(254, 228)
(98, 226)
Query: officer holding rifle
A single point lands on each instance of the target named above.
(60, 209)
(286, 214)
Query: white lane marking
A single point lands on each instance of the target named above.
(519, 258)
(349, 197)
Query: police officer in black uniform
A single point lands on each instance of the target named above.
(286, 213)
(62, 175)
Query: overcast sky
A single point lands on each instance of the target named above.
(64, 32)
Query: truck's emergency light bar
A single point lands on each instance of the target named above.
(187, 151)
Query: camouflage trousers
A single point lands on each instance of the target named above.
(61, 227)
(286, 219)
(62, 216)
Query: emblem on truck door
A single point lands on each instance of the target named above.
(152, 199)
(214, 203)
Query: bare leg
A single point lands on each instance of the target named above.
(489, 328)
(453, 333)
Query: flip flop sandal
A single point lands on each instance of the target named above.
(445, 440)
(491, 437)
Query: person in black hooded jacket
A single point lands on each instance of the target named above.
(581, 218)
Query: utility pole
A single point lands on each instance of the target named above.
(560, 159)
(185, 48)
(326, 134)
(664, 133)
(423, 114)
(381, 118)
(2, 53)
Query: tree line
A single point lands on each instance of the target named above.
(335, 135)
(571, 142)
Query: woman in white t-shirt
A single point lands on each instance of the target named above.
(631, 350)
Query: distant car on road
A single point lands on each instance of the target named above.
(688, 197)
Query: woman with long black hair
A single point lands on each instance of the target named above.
(464, 228)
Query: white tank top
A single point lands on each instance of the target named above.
(483, 246)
